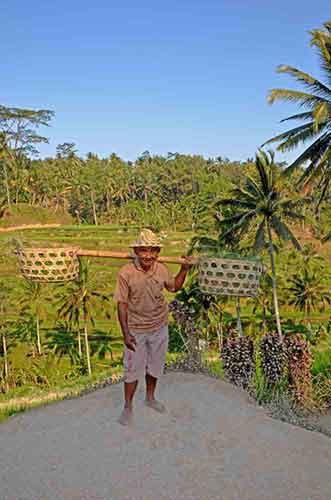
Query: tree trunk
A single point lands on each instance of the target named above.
(94, 209)
(274, 283)
(5, 172)
(87, 348)
(5, 357)
(239, 324)
(107, 201)
(79, 342)
(219, 333)
(38, 334)
(264, 321)
(307, 319)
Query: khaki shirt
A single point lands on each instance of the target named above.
(142, 291)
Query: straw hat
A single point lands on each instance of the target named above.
(146, 238)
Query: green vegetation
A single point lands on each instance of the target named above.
(59, 340)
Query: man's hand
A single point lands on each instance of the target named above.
(189, 262)
(130, 342)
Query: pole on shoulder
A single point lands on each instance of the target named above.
(123, 255)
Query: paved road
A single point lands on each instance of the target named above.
(211, 445)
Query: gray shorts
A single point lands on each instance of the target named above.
(149, 356)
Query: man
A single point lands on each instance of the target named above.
(143, 316)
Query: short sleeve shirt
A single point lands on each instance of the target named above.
(143, 292)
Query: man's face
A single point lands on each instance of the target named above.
(147, 256)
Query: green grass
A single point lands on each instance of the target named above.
(32, 397)
(322, 361)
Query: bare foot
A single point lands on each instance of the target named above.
(156, 405)
(125, 417)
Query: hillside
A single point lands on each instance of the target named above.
(23, 214)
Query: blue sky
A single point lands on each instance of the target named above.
(182, 76)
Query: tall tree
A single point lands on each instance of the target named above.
(19, 138)
(262, 208)
(315, 100)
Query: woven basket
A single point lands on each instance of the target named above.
(228, 277)
(51, 265)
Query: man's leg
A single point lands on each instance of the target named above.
(150, 387)
(156, 353)
(134, 365)
(129, 391)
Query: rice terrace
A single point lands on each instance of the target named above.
(228, 259)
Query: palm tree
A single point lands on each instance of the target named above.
(316, 102)
(33, 297)
(81, 303)
(62, 342)
(308, 292)
(261, 207)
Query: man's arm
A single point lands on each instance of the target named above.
(181, 276)
(122, 313)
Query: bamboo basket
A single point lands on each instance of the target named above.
(230, 277)
(51, 265)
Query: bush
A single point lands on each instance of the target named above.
(299, 367)
(238, 360)
(273, 358)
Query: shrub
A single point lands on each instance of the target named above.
(238, 360)
(273, 358)
(299, 367)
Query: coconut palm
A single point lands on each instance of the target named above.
(308, 293)
(260, 207)
(315, 100)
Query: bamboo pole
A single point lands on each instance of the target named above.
(121, 255)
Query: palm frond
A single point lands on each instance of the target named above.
(234, 202)
(315, 168)
(244, 219)
(307, 80)
(325, 187)
(261, 162)
(293, 215)
(299, 116)
(321, 115)
(313, 152)
(284, 232)
(303, 99)
(322, 41)
(301, 137)
(290, 133)
(260, 242)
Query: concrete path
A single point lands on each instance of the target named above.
(211, 445)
